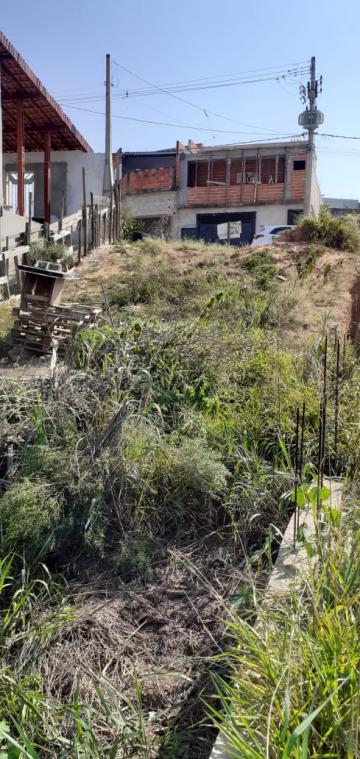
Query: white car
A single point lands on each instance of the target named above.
(267, 234)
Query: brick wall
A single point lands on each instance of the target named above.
(297, 178)
(245, 193)
(148, 180)
(234, 194)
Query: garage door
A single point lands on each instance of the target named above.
(207, 226)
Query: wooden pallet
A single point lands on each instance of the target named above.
(39, 328)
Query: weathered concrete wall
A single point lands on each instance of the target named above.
(12, 225)
(315, 197)
(152, 203)
(269, 214)
(68, 178)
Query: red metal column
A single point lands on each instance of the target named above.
(20, 158)
(47, 176)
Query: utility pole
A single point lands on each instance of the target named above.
(1, 172)
(108, 170)
(310, 119)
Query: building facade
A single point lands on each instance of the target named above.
(188, 192)
(42, 154)
(342, 206)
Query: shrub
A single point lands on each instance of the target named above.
(306, 260)
(333, 231)
(131, 228)
(260, 265)
(29, 515)
(196, 471)
(40, 252)
(135, 558)
(140, 286)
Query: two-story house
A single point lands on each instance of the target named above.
(192, 190)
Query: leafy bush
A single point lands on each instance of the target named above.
(260, 265)
(333, 231)
(131, 228)
(29, 515)
(306, 260)
(41, 252)
(196, 471)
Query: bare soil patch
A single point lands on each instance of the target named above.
(162, 630)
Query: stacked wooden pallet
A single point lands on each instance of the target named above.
(41, 327)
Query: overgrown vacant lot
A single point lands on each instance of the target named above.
(150, 482)
(172, 281)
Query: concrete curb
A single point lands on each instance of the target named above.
(289, 566)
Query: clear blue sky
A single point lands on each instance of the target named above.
(165, 41)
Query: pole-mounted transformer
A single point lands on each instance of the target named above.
(310, 119)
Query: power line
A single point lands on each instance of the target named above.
(126, 94)
(262, 130)
(277, 71)
(204, 110)
(338, 136)
(183, 126)
(267, 69)
(171, 90)
(214, 85)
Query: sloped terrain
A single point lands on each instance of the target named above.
(151, 479)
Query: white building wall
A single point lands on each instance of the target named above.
(75, 160)
(269, 214)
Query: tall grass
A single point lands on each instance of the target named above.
(162, 429)
(295, 676)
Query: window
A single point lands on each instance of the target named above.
(268, 170)
(250, 170)
(198, 172)
(236, 171)
(277, 230)
(281, 169)
(203, 173)
(217, 172)
(191, 174)
(293, 215)
(299, 165)
(11, 191)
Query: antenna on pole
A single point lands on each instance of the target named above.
(108, 171)
(310, 119)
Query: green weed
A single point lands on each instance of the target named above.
(259, 264)
(295, 686)
(333, 231)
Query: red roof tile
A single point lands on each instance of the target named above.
(41, 111)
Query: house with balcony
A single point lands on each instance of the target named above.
(195, 189)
